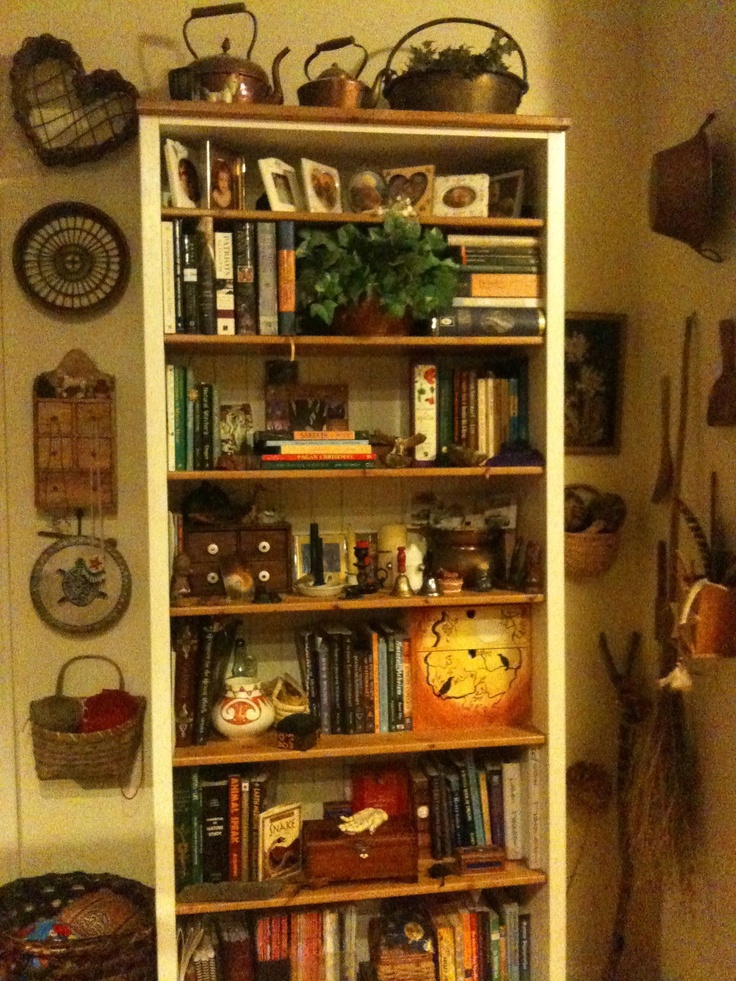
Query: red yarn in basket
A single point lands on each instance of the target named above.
(109, 709)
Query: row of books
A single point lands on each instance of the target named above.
(357, 680)
(199, 649)
(474, 799)
(458, 938)
(482, 409)
(228, 278)
(330, 450)
(219, 814)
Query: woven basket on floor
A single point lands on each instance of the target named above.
(107, 755)
(128, 954)
(589, 553)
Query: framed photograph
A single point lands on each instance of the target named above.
(366, 191)
(305, 407)
(334, 557)
(461, 195)
(415, 184)
(505, 194)
(594, 365)
(282, 185)
(224, 177)
(321, 187)
(183, 170)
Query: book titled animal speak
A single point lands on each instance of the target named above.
(472, 667)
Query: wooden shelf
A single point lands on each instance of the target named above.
(211, 344)
(196, 899)
(263, 749)
(292, 603)
(377, 473)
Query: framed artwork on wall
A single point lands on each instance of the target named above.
(594, 365)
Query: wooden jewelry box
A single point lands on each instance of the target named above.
(333, 856)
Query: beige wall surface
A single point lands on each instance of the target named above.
(585, 61)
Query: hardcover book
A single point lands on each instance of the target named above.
(246, 297)
(280, 847)
(224, 284)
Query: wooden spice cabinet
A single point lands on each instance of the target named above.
(454, 144)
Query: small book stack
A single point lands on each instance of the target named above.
(316, 450)
(500, 287)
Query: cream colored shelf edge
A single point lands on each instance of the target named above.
(548, 137)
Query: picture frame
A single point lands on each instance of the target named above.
(461, 195)
(334, 557)
(306, 407)
(225, 178)
(594, 369)
(282, 186)
(187, 183)
(506, 194)
(413, 183)
(321, 187)
(366, 191)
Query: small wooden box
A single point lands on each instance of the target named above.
(332, 856)
(480, 859)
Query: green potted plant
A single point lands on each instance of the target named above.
(374, 279)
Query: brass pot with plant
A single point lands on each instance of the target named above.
(374, 279)
(455, 79)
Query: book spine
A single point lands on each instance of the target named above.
(194, 432)
(189, 278)
(481, 399)
(307, 457)
(525, 947)
(468, 823)
(180, 417)
(446, 820)
(206, 274)
(246, 298)
(473, 408)
(490, 321)
(498, 284)
(408, 684)
(256, 806)
(196, 827)
(323, 661)
(470, 767)
(368, 691)
(235, 826)
(512, 302)
(185, 646)
(167, 277)
(457, 810)
(444, 410)
(192, 397)
(421, 806)
(182, 793)
(347, 677)
(435, 813)
(495, 945)
(335, 685)
(224, 284)
(424, 417)
(267, 278)
(492, 241)
(170, 417)
(512, 809)
(445, 952)
(178, 277)
(315, 464)
(484, 804)
(383, 696)
(206, 668)
(215, 855)
(534, 835)
(206, 397)
(285, 244)
(398, 667)
(495, 799)
(334, 447)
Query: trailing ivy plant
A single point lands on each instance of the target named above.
(460, 59)
(399, 263)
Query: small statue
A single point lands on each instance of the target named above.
(398, 457)
(368, 820)
(181, 587)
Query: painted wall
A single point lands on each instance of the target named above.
(583, 62)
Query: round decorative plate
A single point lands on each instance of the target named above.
(80, 585)
(71, 258)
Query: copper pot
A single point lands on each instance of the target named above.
(681, 191)
(335, 86)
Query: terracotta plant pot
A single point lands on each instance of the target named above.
(369, 319)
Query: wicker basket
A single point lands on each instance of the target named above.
(589, 553)
(285, 685)
(104, 756)
(129, 954)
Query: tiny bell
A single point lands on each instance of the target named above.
(402, 587)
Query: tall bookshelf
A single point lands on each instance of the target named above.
(378, 370)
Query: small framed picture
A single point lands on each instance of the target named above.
(282, 185)
(461, 195)
(225, 170)
(367, 191)
(306, 407)
(334, 557)
(414, 184)
(321, 187)
(594, 357)
(505, 194)
(183, 169)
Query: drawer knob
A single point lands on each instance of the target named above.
(212, 578)
(213, 548)
(264, 575)
(264, 547)
(362, 852)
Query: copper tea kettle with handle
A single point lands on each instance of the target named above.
(335, 86)
(225, 77)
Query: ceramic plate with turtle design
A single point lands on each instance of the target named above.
(80, 584)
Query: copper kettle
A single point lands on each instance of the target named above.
(335, 86)
(224, 77)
